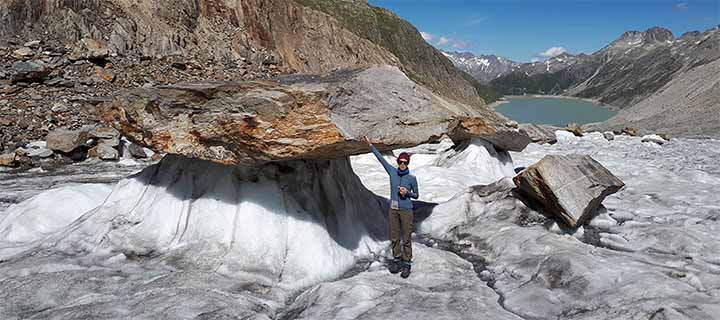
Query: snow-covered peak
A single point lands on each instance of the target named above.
(483, 67)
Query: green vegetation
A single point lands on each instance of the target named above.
(421, 62)
(544, 83)
(488, 93)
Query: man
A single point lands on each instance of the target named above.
(403, 187)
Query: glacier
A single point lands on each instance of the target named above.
(192, 239)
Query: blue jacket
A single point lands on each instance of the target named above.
(408, 181)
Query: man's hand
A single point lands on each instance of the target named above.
(366, 140)
(403, 191)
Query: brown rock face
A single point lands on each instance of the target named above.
(298, 117)
(309, 36)
(7, 160)
(66, 140)
(464, 127)
(570, 187)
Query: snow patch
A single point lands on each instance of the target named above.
(49, 211)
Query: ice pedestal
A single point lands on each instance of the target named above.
(291, 223)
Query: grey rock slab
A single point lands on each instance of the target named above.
(39, 152)
(137, 151)
(103, 133)
(540, 134)
(609, 136)
(27, 71)
(570, 187)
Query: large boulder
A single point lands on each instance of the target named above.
(299, 117)
(66, 140)
(570, 187)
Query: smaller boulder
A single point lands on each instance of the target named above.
(102, 132)
(35, 149)
(570, 187)
(629, 131)
(104, 151)
(654, 138)
(538, 133)
(89, 49)
(39, 153)
(575, 129)
(33, 44)
(104, 74)
(7, 160)
(609, 136)
(137, 151)
(66, 140)
(29, 71)
(23, 53)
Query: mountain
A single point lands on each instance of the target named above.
(623, 73)
(484, 67)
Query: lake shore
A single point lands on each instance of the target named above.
(506, 99)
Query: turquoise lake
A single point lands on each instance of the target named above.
(553, 111)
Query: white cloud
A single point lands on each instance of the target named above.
(475, 21)
(681, 6)
(552, 52)
(443, 41)
(427, 36)
(533, 60)
(456, 44)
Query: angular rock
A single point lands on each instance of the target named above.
(66, 140)
(570, 187)
(464, 128)
(629, 131)
(575, 128)
(29, 71)
(654, 138)
(105, 74)
(104, 151)
(609, 136)
(32, 44)
(23, 52)
(137, 151)
(539, 134)
(7, 160)
(299, 117)
(89, 49)
(40, 153)
(103, 133)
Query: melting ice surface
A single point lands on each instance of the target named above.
(212, 242)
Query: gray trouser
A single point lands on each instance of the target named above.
(401, 221)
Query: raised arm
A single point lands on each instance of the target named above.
(388, 167)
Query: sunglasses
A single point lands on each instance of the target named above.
(403, 162)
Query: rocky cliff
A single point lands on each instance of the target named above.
(82, 51)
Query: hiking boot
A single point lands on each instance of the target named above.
(394, 266)
(405, 269)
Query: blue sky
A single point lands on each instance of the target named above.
(523, 30)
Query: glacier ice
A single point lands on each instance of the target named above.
(192, 239)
